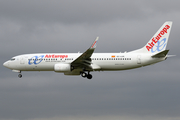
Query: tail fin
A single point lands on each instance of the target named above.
(159, 41)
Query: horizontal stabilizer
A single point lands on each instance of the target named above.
(161, 54)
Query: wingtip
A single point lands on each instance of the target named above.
(95, 43)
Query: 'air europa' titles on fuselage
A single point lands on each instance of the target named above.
(37, 59)
(56, 56)
(157, 38)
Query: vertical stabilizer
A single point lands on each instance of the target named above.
(159, 41)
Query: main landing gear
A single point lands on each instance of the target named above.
(88, 75)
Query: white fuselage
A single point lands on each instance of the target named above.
(100, 61)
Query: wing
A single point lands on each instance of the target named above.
(84, 60)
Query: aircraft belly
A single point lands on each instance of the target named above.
(40, 68)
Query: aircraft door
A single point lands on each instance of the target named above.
(139, 59)
(22, 60)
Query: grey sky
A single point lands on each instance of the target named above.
(70, 26)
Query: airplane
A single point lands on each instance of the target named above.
(84, 63)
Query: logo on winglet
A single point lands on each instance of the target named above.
(94, 44)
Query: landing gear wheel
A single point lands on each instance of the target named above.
(83, 74)
(89, 76)
(20, 76)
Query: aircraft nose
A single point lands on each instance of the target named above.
(6, 64)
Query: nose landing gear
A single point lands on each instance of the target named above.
(18, 71)
(20, 75)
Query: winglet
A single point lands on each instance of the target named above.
(93, 46)
(84, 58)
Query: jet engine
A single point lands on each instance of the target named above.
(62, 67)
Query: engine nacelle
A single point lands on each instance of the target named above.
(62, 67)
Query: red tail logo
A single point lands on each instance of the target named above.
(157, 38)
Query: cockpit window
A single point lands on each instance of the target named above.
(12, 59)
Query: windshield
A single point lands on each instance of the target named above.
(12, 59)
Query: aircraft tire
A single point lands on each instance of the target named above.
(83, 74)
(89, 76)
(20, 75)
